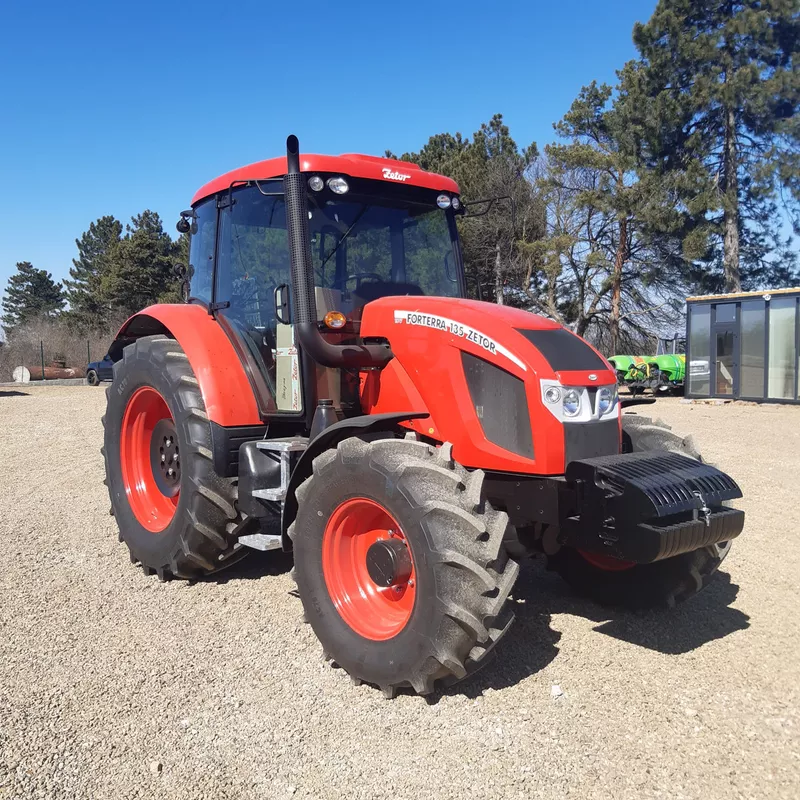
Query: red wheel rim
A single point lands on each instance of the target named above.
(151, 503)
(372, 611)
(606, 562)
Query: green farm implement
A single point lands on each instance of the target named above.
(663, 372)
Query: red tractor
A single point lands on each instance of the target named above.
(329, 390)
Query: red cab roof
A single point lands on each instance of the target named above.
(352, 164)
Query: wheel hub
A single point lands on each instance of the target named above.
(369, 570)
(165, 457)
(389, 562)
(153, 493)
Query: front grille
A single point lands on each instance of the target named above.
(501, 405)
(590, 439)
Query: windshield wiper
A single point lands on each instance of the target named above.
(345, 235)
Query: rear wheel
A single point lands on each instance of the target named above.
(614, 582)
(175, 514)
(400, 563)
(92, 378)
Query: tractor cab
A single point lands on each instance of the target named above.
(369, 237)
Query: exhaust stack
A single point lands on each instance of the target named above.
(303, 301)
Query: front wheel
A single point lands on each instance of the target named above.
(612, 582)
(92, 378)
(400, 563)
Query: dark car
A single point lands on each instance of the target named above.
(100, 371)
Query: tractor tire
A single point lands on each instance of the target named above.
(449, 604)
(640, 586)
(640, 434)
(183, 524)
(92, 378)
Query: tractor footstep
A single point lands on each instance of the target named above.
(261, 541)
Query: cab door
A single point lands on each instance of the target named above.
(251, 292)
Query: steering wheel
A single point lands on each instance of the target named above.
(358, 278)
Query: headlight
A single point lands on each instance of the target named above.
(316, 183)
(606, 398)
(443, 201)
(338, 185)
(572, 402)
(552, 394)
(456, 203)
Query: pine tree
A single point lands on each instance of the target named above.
(140, 269)
(491, 164)
(718, 89)
(30, 293)
(83, 289)
(610, 227)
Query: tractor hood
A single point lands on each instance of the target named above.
(487, 368)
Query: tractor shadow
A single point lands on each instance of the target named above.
(256, 565)
(531, 643)
(698, 621)
(13, 393)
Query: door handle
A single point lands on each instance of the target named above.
(282, 304)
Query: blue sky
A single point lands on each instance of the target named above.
(114, 107)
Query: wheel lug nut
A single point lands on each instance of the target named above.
(163, 458)
(170, 471)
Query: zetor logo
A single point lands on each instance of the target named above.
(391, 175)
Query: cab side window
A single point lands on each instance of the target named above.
(253, 255)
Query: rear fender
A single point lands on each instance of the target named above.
(228, 395)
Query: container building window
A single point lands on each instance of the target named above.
(753, 340)
(725, 312)
(782, 356)
(700, 350)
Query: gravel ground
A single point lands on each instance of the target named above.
(113, 685)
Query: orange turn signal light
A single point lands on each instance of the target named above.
(335, 320)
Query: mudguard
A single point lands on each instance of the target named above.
(228, 395)
(330, 437)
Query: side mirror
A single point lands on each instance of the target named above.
(180, 271)
(184, 226)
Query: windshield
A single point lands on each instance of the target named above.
(362, 246)
(372, 250)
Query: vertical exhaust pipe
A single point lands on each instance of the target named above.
(304, 304)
